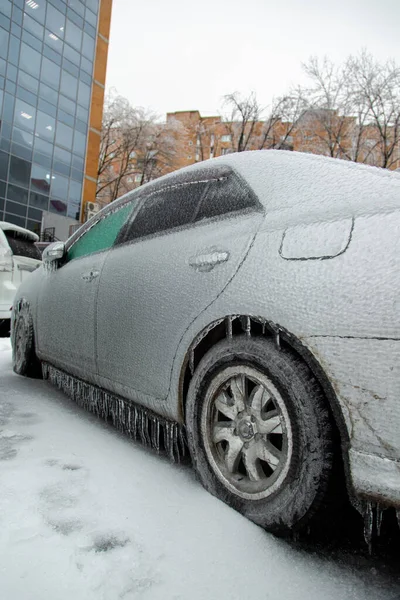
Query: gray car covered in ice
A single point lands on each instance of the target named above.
(247, 307)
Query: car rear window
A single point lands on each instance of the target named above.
(21, 245)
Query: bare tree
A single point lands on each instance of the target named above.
(282, 121)
(242, 119)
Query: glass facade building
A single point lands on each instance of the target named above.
(47, 53)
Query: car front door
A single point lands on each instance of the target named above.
(182, 248)
(67, 306)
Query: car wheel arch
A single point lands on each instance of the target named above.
(233, 325)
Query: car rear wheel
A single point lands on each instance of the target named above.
(25, 361)
(259, 432)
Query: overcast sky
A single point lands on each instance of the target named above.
(169, 55)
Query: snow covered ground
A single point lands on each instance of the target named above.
(87, 514)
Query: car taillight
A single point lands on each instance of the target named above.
(6, 263)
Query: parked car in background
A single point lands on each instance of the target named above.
(18, 258)
(251, 303)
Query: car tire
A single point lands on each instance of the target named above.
(25, 361)
(260, 433)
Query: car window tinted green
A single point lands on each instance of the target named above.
(102, 235)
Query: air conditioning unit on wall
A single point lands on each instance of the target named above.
(91, 209)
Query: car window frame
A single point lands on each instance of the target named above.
(257, 207)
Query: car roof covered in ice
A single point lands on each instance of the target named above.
(308, 183)
(5, 226)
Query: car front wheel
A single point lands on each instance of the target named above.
(24, 357)
(260, 433)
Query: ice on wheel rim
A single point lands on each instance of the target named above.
(247, 432)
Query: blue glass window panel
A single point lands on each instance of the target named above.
(23, 94)
(87, 65)
(58, 206)
(8, 107)
(12, 72)
(75, 191)
(5, 22)
(61, 168)
(77, 6)
(1, 82)
(69, 85)
(55, 21)
(76, 19)
(59, 187)
(10, 87)
(17, 15)
(34, 213)
(28, 82)
(45, 126)
(93, 5)
(30, 60)
(38, 200)
(16, 30)
(81, 126)
(88, 46)
(3, 65)
(85, 77)
(33, 27)
(60, 5)
(17, 194)
(14, 219)
(65, 118)
(66, 105)
(2, 191)
(5, 144)
(48, 94)
(78, 162)
(5, 7)
(50, 73)
(41, 159)
(89, 30)
(78, 175)
(22, 137)
(37, 10)
(70, 67)
(84, 94)
(33, 226)
(47, 108)
(71, 54)
(1, 101)
(32, 41)
(16, 209)
(43, 146)
(73, 210)
(53, 42)
(52, 54)
(20, 171)
(24, 115)
(6, 130)
(90, 17)
(40, 179)
(64, 135)
(62, 155)
(21, 151)
(73, 35)
(4, 160)
(13, 50)
(79, 143)
(82, 114)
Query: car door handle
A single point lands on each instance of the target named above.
(90, 275)
(206, 262)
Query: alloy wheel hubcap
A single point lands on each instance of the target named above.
(246, 432)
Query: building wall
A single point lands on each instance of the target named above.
(47, 73)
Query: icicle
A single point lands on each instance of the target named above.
(379, 514)
(191, 362)
(369, 525)
(277, 340)
(228, 324)
(398, 517)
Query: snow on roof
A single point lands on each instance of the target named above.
(11, 227)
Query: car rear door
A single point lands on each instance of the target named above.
(66, 334)
(183, 247)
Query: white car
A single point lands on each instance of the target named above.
(18, 258)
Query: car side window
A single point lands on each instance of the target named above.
(102, 235)
(225, 195)
(167, 208)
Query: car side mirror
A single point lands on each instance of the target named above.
(53, 252)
